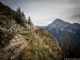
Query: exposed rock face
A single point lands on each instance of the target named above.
(8, 25)
(11, 43)
(13, 50)
(7, 19)
(29, 26)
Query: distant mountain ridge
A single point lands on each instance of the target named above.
(58, 27)
(58, 23)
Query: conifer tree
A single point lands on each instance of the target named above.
(29, 20)
(19, 10)
(23, 14)
(19, 16)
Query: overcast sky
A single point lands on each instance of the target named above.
(43, 12)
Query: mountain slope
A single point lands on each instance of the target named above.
(8, 24)
(42, 46)
(68, 36)
(20, 40)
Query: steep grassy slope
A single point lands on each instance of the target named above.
(41, 45)
(32, 45)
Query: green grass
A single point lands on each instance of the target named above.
(41, 46)
(27, 34)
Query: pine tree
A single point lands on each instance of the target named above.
(29, 20)
(23, 14)
(19, 16)
(19, 10)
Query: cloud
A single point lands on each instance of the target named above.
(43, 12)
(75, 12)
(48, 11)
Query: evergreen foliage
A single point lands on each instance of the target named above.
(29, 20)
(20, 16)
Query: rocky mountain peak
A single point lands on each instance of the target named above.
(59, 23)
(58, 20)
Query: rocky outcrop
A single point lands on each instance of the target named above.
(8, 25)
(13, 50)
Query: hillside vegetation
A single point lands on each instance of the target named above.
(21, 40)
(40, 46)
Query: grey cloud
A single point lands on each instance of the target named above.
(43, 12)
(75, 2)
(75, 12)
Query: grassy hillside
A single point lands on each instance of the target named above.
(22, 41)
(41, 45)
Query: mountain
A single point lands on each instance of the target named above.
(68, 36)
(21, 40)
(58, 27)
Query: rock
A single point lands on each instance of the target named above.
(13, 50)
